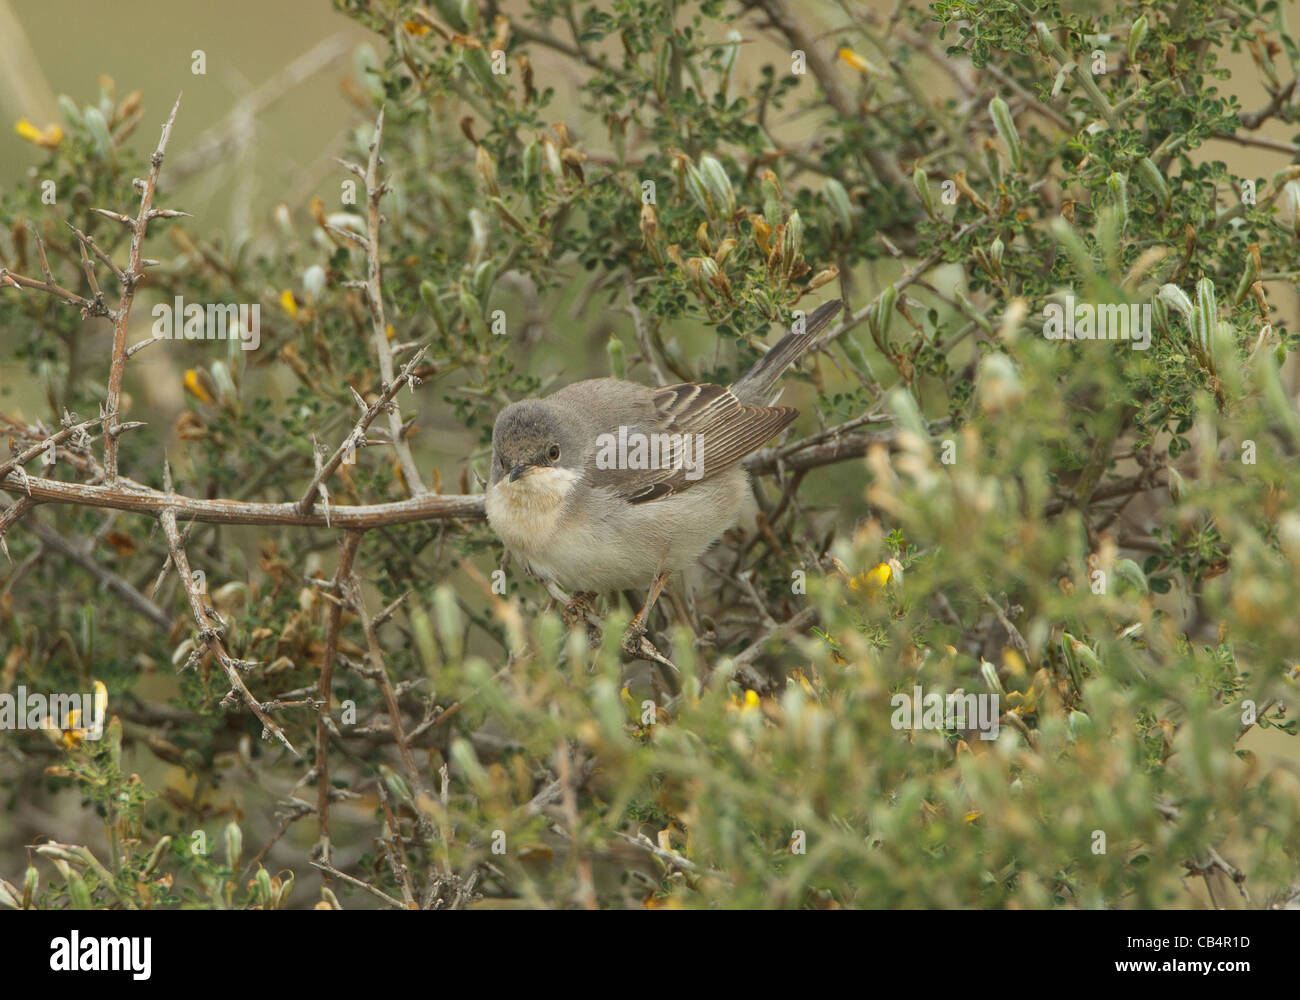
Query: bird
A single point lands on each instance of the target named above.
(609, 485)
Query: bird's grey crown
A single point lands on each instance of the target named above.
(524, 432)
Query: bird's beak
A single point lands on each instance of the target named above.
(521, 469)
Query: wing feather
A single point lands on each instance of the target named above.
(724, 431)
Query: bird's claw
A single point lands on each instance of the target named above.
(636, 644)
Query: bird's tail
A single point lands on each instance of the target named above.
(755, 386)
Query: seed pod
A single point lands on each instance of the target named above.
(429, 296)
(478, 240)
(98, 129)
(422, 633)
(532, 163)
(885, 310)
(551, 157)
(724, 250)
(838, 201)
(792, 246)
(1118, 185)
(234, 844)
(1160, 316)
(702, 238)
(990, 675)
(284, 893)
(484, 276)
(32, 883)
(1176, 298)
(1045, 40)
(469, 15)
(1082, 651)
(699, 192)
(617, 360)
(773, 203)
(1291, 204)
(1248, 275)
(71, 113)
(1062, 74)
(397, 784)
(479, 66)
(996, 250)
(1131, 573)
(650, 232)
(718, 184)
(313, 281)
(78, 894)
(507, 216)
(156, 855)
(262, 880)
(1136, 35)
(1006, 127)
(485, 165)
(853, 350)
(1207, 312)
(473, 311)
(823, 277)
(663, 64)
(734, 39)
(1154, 180)
(922, 184)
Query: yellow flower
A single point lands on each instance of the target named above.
(416, 28)
(47, 138)
(847, 55)
(874, 580)
(195, 387)
(749, 703)
(289, 303)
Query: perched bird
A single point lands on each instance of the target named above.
(610, 485)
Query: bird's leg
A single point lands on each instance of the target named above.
(656, 588)
(634, 641)
(580, 608)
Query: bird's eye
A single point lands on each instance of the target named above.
(553, 453)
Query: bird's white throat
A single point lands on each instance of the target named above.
(525, 513)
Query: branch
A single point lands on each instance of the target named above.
(347, 552)
(357, 436)
(209, 629)
(375, 190)
(130, 281)
(132, 496)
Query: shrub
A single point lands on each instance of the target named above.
(1099, 533)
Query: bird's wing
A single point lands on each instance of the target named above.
(722, 431)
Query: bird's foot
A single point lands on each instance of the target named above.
(636, 644)
(581, 610)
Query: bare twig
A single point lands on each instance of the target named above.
(375, 190)
(347, 552)
(130, 278)
(356, 438)
(209, 630)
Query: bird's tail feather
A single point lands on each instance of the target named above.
(755, 386)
